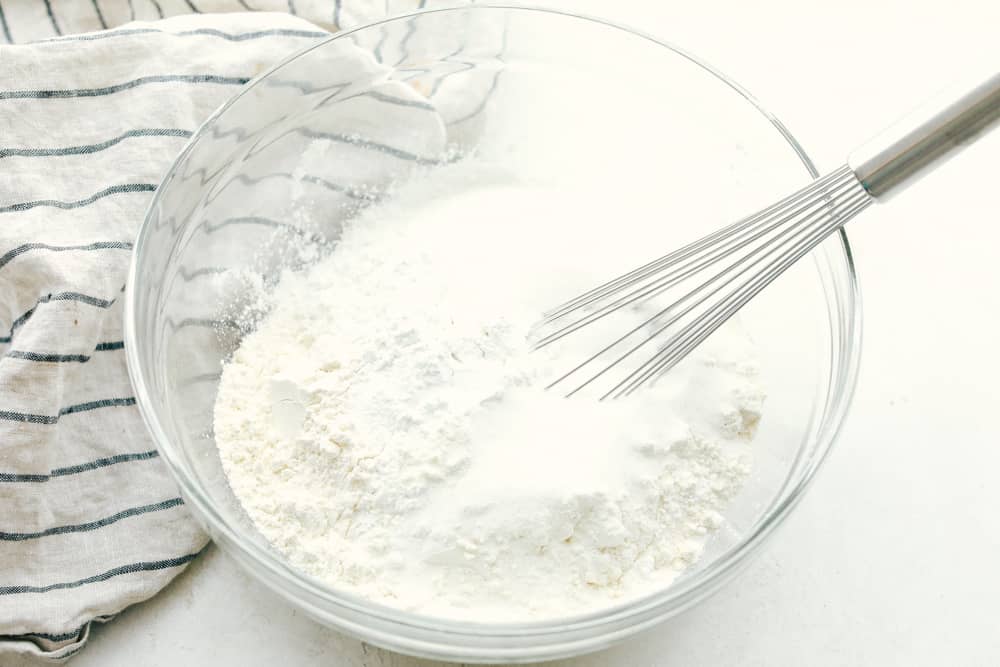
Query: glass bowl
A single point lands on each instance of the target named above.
(313, 141)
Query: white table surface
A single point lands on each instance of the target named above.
(892, 558)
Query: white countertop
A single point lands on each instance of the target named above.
(892, 556)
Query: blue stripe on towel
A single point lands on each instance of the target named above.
(100, 16)
(30, 418)
(92, 525)
(209, 32)
(99, 245)
(106, 192)
(61, 296)
(52, 17)
(48, 358)
(93, 148)
(125, 85)
(4, 26)
(82, 467)
(72, 634)
(145, 566)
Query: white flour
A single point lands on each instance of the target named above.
(386, 429)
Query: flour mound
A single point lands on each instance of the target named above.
(386, 427)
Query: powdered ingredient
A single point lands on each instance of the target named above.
(386, 427)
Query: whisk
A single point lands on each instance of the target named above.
(706, 282)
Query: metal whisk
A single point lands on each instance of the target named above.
(717, 275)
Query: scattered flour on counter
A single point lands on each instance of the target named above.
(386, 427)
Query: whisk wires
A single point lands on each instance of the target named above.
(712, 278)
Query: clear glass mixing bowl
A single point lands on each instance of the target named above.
(308, 144)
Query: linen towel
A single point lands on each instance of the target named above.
(91, 522)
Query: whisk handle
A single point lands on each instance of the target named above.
(892, 160)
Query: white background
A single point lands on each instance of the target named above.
(892, 558)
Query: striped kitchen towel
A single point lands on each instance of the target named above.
(89, 121)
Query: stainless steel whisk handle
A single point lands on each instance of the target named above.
(896, 157)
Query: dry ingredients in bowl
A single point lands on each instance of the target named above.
(387, 429)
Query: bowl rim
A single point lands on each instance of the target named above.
(662, 602)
